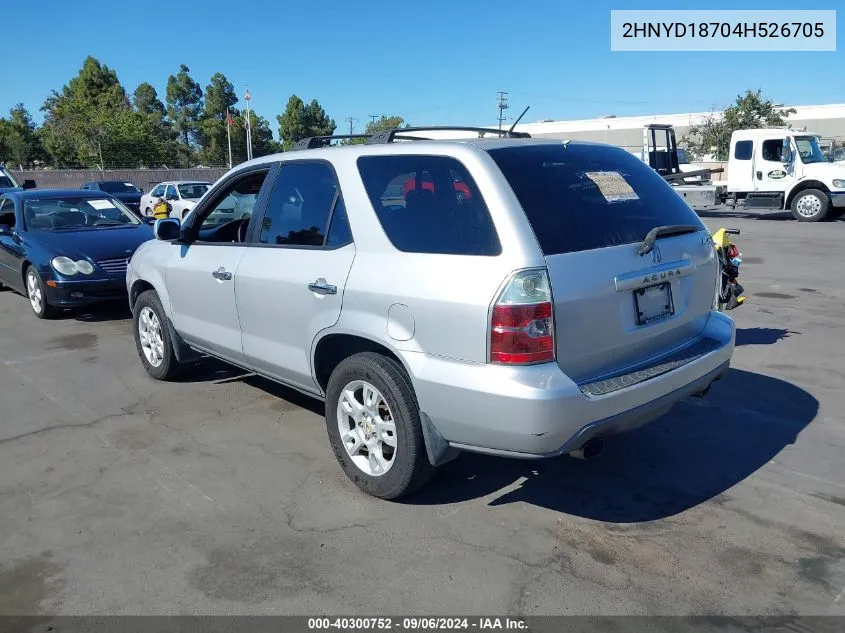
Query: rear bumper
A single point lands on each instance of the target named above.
(538, 411)
(83, 292)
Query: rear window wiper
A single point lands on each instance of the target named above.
(662, 231)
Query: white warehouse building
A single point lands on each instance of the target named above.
(826, 120)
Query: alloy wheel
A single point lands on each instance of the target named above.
(367, 427)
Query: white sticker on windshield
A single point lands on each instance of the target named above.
(612, 185)
(100, 205)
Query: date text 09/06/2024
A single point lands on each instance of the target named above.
(415, 623)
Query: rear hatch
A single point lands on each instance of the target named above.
(617, 305)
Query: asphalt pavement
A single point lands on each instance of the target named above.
(220, 494)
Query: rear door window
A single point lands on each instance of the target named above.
(743, 150)
(304, 198)
(429, 204)
(580, 197)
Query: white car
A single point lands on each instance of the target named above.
(182, 196)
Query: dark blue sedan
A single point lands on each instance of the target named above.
(64, 248)
(126, 192)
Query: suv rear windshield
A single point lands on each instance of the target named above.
(429, 204)
(580, 197)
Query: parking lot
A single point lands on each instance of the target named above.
(220, 494)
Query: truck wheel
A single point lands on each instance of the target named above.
(373, 422)
(810, 205)
(152, 337)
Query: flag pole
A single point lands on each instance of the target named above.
(248, 128)
(229, 135)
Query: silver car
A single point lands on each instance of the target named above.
(512, 296)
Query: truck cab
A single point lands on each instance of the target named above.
(8, 182)
(778, 168)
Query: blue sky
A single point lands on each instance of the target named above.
(433, 61)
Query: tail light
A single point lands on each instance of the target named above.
(522, 321)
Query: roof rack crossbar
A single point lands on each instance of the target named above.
(313, 142)
(388, 136)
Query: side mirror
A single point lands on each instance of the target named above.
(167, 229)
(171, 197)
(29, 184)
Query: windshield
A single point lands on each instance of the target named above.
(56, 214)
(809, 150)
(7, 181)
(192, 191)
(119, 187)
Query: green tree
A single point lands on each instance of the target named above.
(20, 143)
(219, 95)
(145, 98)
(380, 125)
(184, 104)
(91, 122)
(300, 121)
(73, 129)
(96, 84)
(750, 111)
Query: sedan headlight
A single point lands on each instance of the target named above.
(66, 266)
(839, 183)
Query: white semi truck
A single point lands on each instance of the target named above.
(769, 168)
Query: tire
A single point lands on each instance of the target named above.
(160, 359)
(409, 468)
(36, 294)
(810, 205)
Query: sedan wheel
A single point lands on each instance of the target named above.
(36, 295)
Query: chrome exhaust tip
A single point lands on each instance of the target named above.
(590, 450)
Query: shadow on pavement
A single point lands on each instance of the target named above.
(763, 214)
(697, 451)
(761, 335)
(209, 369)
(99, 312)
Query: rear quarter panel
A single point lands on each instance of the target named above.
(448, 297)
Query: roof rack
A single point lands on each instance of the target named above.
(313, 142)
(388, 136)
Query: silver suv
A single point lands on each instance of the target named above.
(512, 296)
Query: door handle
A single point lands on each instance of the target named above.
(321, 287)
(759, 175)
(222, 274)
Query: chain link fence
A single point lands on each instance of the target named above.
(144, 179)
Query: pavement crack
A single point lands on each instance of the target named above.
(129, 410)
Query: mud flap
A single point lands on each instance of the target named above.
(438, 449)
(183, 352)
